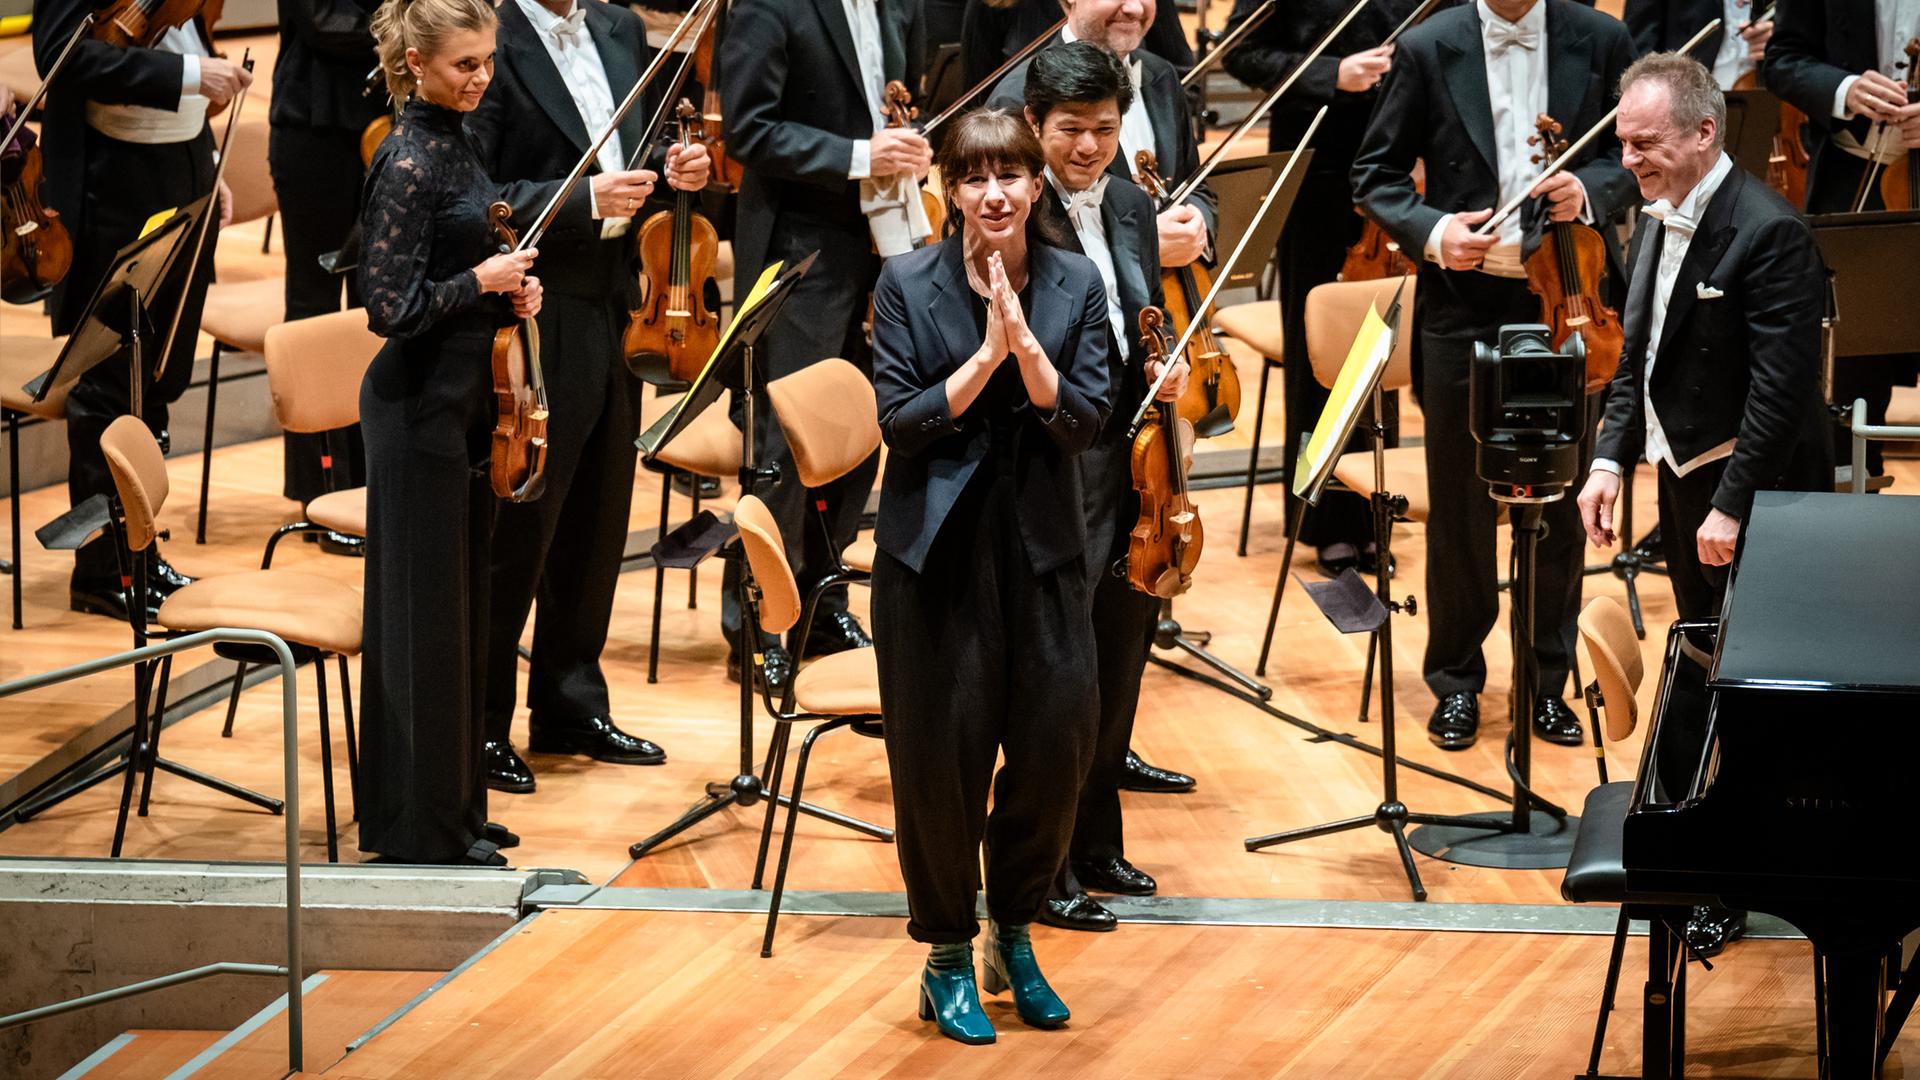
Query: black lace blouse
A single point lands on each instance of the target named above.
(423, 217)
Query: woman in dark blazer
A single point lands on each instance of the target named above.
(990, 369)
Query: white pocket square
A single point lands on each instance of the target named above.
(1704, 291)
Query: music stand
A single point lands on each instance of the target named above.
(735, 366)
(1239, 183)
(1869, 312)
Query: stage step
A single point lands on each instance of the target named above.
(340, 1007)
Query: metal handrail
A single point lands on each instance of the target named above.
(1863, 431)
(289, 707)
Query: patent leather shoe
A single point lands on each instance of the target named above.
(1011, 965)
(1555, 723)
(161, 575)
(1711, 929)
(773, 674)
(597, 737)
(1114, 875)
(500, 836)
(506, 770)
(1455, 723)
(1078, 912)
(1138, 775)
(949, 998)
(103, 596)
(837, 632)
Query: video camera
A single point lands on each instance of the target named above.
(1527, 403)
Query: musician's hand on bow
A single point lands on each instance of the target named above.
(1756, 35)
(619, 194)
(226, 205)
(221, 81)
(893, 151)
(1360, 72)
(1183, 235)
(6, 101)
(1596, 504)
(505, 272)
(1875, 96)
(1716, 538)
(688, 166)
(1461, 248)
(526, 298)
(1176, 382)
(1565, 196)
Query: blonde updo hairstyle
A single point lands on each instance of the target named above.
(423, 25)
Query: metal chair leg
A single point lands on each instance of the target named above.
(353, 748)
(158, 714)
(659, 579)
(135, 749)
(1607, 994)
(233, 699)
(777, 753)
(206, 443)
(1253, 453)
(326, 759)
(693, 572)
(13, 486)
(793, 817)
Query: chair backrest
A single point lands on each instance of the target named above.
(830, 417)
(1334, 314)
(767, 555)
(247, 173)
(139, 475)
(315, 367)
(1613, 655)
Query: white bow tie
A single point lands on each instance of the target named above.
(570, 27)
(1670, 216)
(1089, 199)
(1502, 36)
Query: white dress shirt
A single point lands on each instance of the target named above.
(1678, 224)
(1895, 22)
(863, 18)
(1083, 212)
(141, 124)
(1732, 61)
(569, 43)
(1516, 59)
(1136, 126)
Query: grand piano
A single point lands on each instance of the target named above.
(1776, 774)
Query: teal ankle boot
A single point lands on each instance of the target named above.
(1010, 965)
(948, 998)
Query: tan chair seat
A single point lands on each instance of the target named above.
(1257, 324)
(305, 609)
(710, 446)
(22, 359)
(844, 684)
(238, 315)
(1406, 475)
(344, 512)
(859, 554)
(1904, 409)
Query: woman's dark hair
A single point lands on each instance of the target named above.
(1076, 73)
(988, 140)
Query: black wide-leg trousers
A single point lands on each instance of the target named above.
(979, 654)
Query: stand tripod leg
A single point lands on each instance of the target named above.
(708, 806)
(878, 832)
(1399, 830)
(186, 772)
(1246, 681)
(56, 797)
(1326, 829)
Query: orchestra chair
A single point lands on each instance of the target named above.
(317, 616)
(1257, 326)
(238, 314)
(21, 360)
(1596, 872)
(710, 446)
(842, 689)
(831, 419)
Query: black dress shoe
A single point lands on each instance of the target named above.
(352, 547)
(1137, 775)
(1337, 557)
(1077, 912)
(103, 596)
(1114, 875)
(1455, 723)
(1711, 929)
(1554, 722)
(500, 836)
(773, 674)
(709, 485)
(162, 576)
(1651, 548)
(837, 632)
(597, 737)
(506, 771)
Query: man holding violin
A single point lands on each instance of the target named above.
(561, 68)
(1466, 88)
(126, 137)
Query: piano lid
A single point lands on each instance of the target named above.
(1825, 595)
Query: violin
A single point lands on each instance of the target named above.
(379, 127)
(38, 252)
(1567, 272)
(678, 249)
(140, 23)
(1900, 184)
(520, 393)
(726, 172)
(1787, 162)
(1164, 547)
(1212, 397)
(1375, 256)
(896, 103)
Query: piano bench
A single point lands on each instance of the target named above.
(1596, 872)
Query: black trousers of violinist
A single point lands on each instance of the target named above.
(565, 547)
(126, 183)
(978, 653)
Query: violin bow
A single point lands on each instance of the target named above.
(1224, 272)
(1225, 44)
(20, 118)
(672, 97)
(532, 236)
(1580, 144)
(963, 100)
(206, 219)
